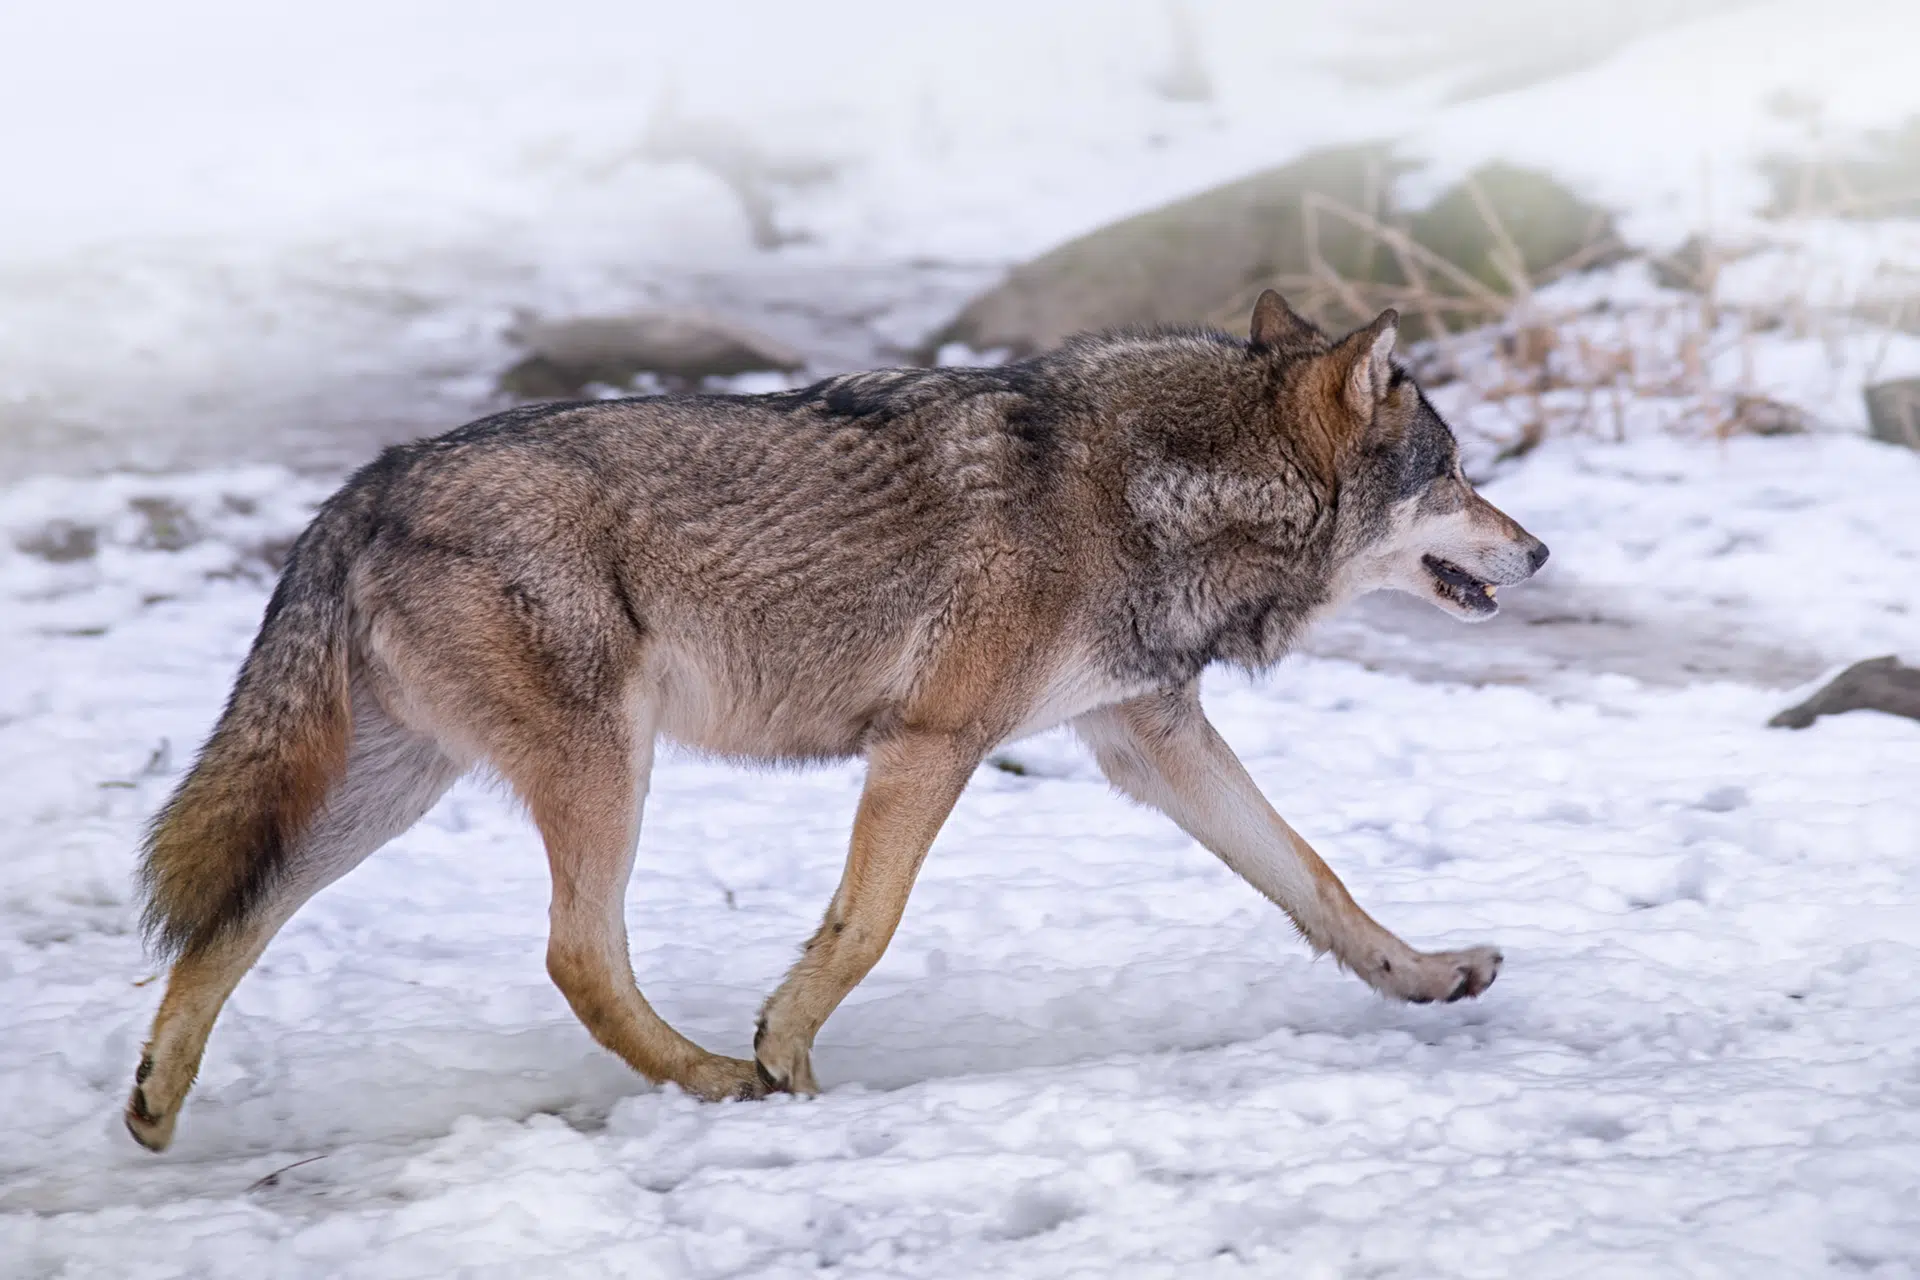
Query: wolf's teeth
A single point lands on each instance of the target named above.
(1489, 588)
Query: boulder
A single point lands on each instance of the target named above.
(1179, 263)
(1309, 228)
(1504, 221)
(679, 346)
(1893, 412)
(1765, 416)
(1878, 684)
(1876, 175)
(1696, 264)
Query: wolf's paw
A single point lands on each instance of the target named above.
(1421, 977)
(785, 1064)
(718, 1079)
(152, 1130)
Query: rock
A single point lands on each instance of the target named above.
(1893, 412)
(680, 346)
(166, 524)
(62, 542)
(1876, 175)
(1178, 263)
(1536, 224)
(1696, 264)
(1765, 416)
(1878, 684)
(1205, 258)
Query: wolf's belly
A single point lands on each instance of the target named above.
(1077, 684)
(788, 706)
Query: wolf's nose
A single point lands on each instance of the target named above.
(1537, 556)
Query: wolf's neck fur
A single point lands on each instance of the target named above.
(1226, 520)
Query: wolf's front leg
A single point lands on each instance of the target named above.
(912, 782)
(1161, 750)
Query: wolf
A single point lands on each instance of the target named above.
(909, 566)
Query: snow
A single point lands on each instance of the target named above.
(1090, 1047)
(1090, 1050)
(1668, 128)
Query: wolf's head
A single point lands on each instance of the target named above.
(1405, 516)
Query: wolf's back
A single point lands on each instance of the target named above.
(212, 853)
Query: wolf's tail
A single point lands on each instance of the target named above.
(213, 853)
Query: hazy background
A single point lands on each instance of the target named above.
(233, 231)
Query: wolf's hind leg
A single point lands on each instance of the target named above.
(912, 783)
(392, 777)
(588, 811)
(1161, 750)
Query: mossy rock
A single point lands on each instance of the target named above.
(1203, 259)
(1544, 224)
(679, 346)
(1178, 263)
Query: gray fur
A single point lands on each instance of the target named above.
(1149, 474)
(392, 777)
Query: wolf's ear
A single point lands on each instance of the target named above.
(1367, 357)
(1275, 324)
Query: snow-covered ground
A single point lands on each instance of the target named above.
(1091, 1050)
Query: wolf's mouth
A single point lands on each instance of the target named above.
(1474, 594)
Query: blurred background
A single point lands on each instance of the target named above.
(238, 232)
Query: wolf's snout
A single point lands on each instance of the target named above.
(1536, 556)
